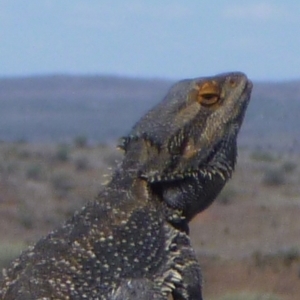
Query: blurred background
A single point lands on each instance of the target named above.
(76, 75)
(166, 39)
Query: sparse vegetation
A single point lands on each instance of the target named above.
(273, 177)
(81, 141)
(227, 195)
(62, 183)
(289, 166)
(82, 163)
(290, 255)
(263, 156)
(284, 257)
(249, 296)
(8, 168)
(38, 191)
(62, 153)
(35, 172)
(25, 216)
(14, 183)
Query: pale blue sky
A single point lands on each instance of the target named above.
(157, 38)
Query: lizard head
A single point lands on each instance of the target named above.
(187, 143)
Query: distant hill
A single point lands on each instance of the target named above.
(103, 108)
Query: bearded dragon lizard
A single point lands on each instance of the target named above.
(132, 241)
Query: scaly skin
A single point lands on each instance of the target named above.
(132, 241)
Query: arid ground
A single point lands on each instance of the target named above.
(248, 241)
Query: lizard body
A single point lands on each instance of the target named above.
(132, 241)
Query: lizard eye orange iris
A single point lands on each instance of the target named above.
(209, 93)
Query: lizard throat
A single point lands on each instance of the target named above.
(219, 163)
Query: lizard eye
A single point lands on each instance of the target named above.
(209, 93)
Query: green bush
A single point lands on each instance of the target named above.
(34, 172)
(263, 156)
(62, 183)
(82, 163)
(62, 153)
(289, 255)
(9, 167)
(284, 257)
(289, 166)
(25, 216)
(81, 141)
(274, 177)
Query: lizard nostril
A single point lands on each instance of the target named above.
(232, 82)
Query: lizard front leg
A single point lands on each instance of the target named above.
(182, 261)
(191, 286)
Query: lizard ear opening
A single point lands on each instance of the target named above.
(209, 93)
